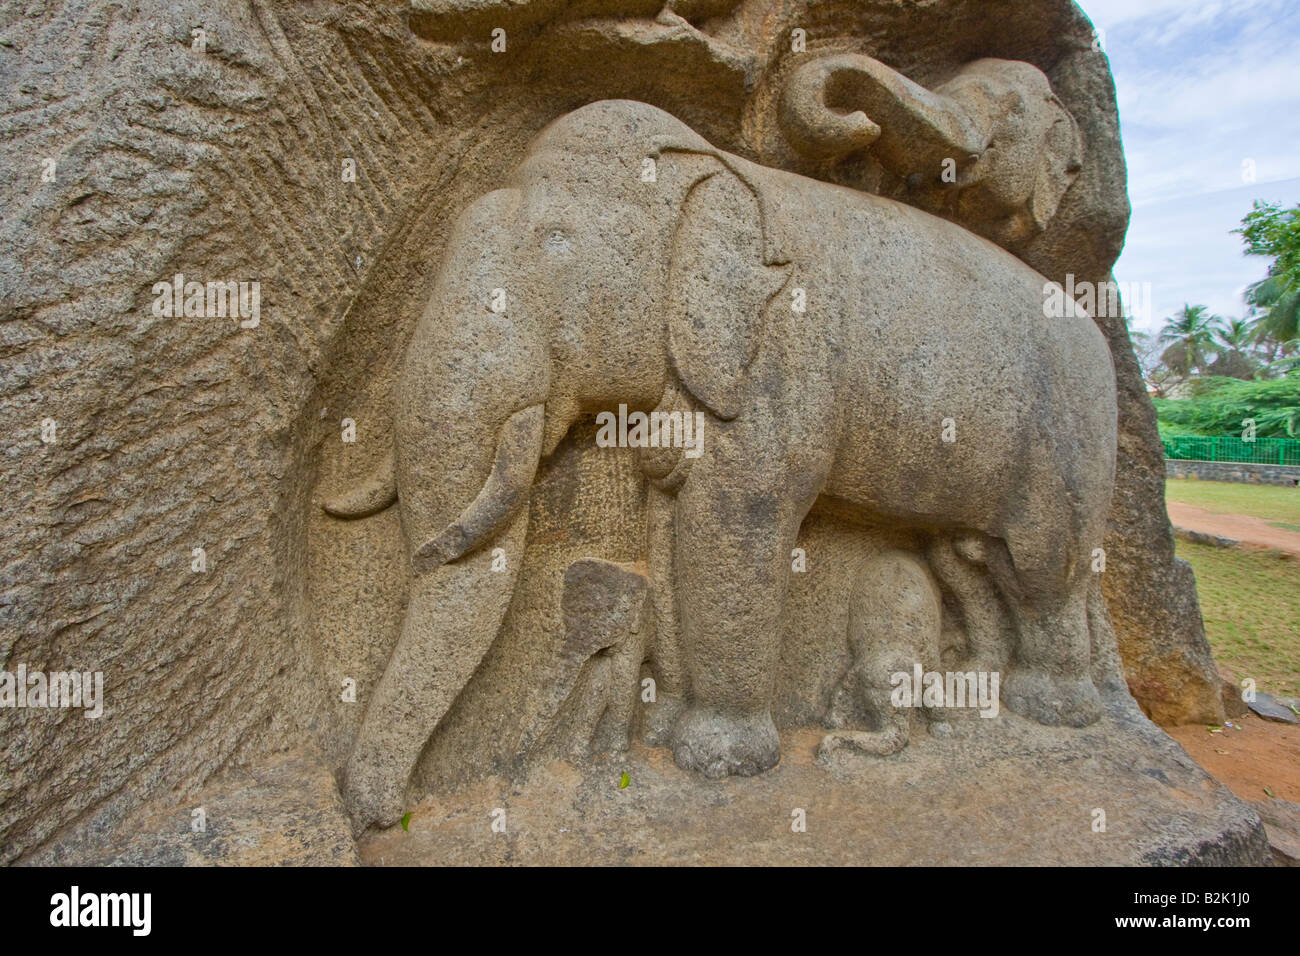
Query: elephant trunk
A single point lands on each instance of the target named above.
(838, 104)
(459, 594)
(811, 120)
(513, 467)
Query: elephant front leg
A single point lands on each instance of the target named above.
(735, 535)
(667, 660)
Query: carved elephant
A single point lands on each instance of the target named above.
(895, 619)
(835, 340)
(993, 146)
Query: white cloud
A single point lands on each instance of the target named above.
(1173, 15)
(1202, 85)
(1188, 253)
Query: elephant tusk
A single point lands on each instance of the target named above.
(518, 450)
(373, 496)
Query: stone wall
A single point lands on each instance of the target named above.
(1250, 473)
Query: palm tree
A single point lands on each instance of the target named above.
(1289, 366)
(1190, 336)
(1235, 334)
(1278, 305)
(1234, 359)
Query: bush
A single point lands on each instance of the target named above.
(1218, 406)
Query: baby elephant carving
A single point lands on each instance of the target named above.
(607, 620)
(993, 146)
(895, 617)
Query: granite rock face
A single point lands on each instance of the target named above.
(318, 168)
(283, 810)
(1282, 824)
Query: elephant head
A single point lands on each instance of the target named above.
(623, 261)
(993, 146)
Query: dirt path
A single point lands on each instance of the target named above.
(1251, 532)
(1248, 756)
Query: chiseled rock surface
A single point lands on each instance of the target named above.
(1282, 821)
(283, 811)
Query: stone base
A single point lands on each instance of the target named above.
(1015, 793)
(996, 792)
(284, 811)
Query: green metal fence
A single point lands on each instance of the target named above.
(1261, 451)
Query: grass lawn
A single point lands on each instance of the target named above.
(1251, 604)
(1276, 504)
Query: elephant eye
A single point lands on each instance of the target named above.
(556, 241)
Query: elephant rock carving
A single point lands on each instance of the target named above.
(895, 616)
(678, 291)
(993, 147)
(607, 617)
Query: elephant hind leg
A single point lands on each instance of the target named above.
(1051, 680)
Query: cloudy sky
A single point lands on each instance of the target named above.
(1207, 89)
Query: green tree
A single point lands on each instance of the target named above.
(1234, 338)
(1189, 337)
(1278, 324)
(1217, 406)
(1269, 230)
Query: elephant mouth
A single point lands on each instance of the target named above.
(518, 450)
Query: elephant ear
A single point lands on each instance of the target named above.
(718, 289)
(1060, 159)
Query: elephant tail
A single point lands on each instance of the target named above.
(371, 496)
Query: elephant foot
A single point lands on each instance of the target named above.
(718, 745)
(1053, 701)
(659, 719)
(370, 797)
